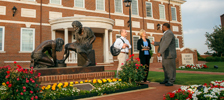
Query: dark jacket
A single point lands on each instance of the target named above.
(139, 47)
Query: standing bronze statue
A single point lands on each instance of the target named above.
(83, 45)
(40, 59)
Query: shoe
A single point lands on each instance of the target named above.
(168, 84)
(164, 82)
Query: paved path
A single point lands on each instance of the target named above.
(154, 92)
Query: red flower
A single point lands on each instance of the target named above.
(21, 93)
(132, 55)
(205, 84)
(27, 81)
(19, 66)
(17, 79)
(190, 96)
(33, 81)
(31, 98)
(7, 76)
(171, 95)
(31, 92)
(9, 68)
(31, 72)
(15, 62)
(7, 82)
(10, 85)
(8, 72)
(36, 97)
(24, 90)
(137, 67)
(24, 87)
(17, 90)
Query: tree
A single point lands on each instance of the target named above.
(215, 40)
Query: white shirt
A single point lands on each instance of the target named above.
(119, 43)
(165, 31)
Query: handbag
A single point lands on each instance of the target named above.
(115, 51)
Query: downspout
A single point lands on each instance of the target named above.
(109, 8)
(169, 11)
(40, 21)
(143, 15)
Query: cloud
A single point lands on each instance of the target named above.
(196, 31)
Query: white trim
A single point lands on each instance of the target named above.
(137, 9)
(175, 13)
(192, 49)
(154, 51)
(164, 12)
(151, 10)
(30, 13)
(54, 3)
(103, 6)
(22, 39)
(22, 22)
(3, 39)
(133, 43)
(17, 61)
(121, 7)
(34, 1)
(83, 6)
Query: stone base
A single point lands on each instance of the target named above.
(68, 70)
(51, 79)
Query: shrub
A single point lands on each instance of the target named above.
(3, 73)
(21, 84)
(201, 59)
(210, 59)
(132, 71)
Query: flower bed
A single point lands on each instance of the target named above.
(192, 66)
(213, 91)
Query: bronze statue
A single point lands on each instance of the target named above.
(39, 57)
(83, 45)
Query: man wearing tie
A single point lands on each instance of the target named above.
(167, 49)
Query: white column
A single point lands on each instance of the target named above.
(111, 42)
(66, 35)
(66, 40)
(106, 47)
(52, 35)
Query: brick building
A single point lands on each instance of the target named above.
(35, 21)
(222, 20)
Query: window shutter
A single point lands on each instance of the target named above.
(79, 3)
(134, 7)
(177, 42)
(1, 40)
(118, 6)
(100, 4)
(161, 12)
(148, 9)
(173, 11)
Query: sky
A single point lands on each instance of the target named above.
(199, 17)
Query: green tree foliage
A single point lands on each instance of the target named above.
(215, 40)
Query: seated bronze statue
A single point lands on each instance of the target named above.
(40, 59)
(83, 45)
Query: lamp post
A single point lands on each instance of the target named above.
(128, 4)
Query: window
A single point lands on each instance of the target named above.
(162, 12)
(153, 47)
(135, 40)
(118, 6)
(118, 36)
(79, 3)
(100, 4)
(173, 13)
(27, 39)
(2, 37)
(55, 2)
(148, 9)
(134, 7)
(177, 42)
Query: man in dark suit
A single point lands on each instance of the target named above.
(167, 49)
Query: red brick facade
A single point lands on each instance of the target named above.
(14, 24)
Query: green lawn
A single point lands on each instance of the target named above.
(185, 78)
(211, 67)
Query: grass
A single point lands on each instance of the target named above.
(182, 78)
(211, 67)
(186, 78)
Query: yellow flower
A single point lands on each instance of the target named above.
(114, 80)
(90, 81)
(104, 80)
(86, 81)
(53, 88)
(76, 82)
(81, 82)
(110, 80)
(120, 80)
(3, 84)
(71, 82)
(71, 85)
(55, 84)
(94, 81)
(43, 87)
